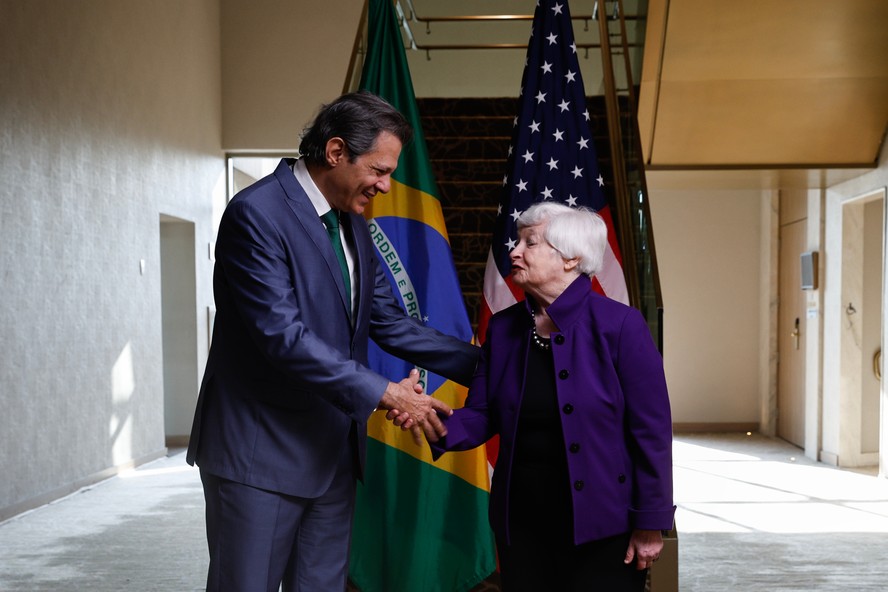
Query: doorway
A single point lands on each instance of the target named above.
(863, 237)
(179, 321)
(791, 321)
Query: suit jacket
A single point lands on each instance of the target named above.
(615, 414)
(286, 376)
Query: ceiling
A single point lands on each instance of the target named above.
(799, 86)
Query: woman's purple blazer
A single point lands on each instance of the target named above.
(614, 406)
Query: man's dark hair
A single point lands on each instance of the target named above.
(357, 118)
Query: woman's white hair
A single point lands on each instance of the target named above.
(573, 232)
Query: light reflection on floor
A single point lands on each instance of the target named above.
(755, 514)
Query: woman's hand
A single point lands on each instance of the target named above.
(644, 548)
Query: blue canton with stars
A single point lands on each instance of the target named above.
(552, 156)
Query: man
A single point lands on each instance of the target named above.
(280, 426)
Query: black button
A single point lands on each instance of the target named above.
(559, 339)
(578, 485)
(574, 447)
(563, 374)
(621, 478)
(568, 408)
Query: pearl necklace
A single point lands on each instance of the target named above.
(541, 342)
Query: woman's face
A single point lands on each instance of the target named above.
(536, 265)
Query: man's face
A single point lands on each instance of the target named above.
(354, 184)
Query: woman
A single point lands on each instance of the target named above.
(574, 387)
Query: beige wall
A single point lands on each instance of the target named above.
(110, 117)
(280, 60)
(709, 250)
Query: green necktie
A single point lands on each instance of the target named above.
(331, 221)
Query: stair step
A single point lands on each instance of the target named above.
(442, 148)
(471, 220)
(470, 248)
(471, 273)
(473, 126)
(472, 106)
(469, 193)
(469, 169)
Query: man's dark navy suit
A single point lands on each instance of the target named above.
(286, 381)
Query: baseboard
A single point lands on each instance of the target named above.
(829, 458)
(177, 441)
(65, 490)
(713, 427)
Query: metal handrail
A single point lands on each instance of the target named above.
(411, 37)
(621, 191)
(637, 148)
(429, 48)
(629, 236)
(501, 17)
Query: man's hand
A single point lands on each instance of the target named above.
(410, 409)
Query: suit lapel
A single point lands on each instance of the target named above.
(314, 229)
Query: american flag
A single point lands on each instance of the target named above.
(551, 157)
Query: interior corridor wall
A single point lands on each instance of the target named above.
(841, 409)
(709, 250)
(280, 60)
(110, 117)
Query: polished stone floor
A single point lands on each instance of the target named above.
(754, 515)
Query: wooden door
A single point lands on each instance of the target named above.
(791, 327)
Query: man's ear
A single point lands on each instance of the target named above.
(335, 151)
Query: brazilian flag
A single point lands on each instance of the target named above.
(419, 525)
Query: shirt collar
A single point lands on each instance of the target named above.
(314, 194)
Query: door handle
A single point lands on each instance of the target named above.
(795, 333)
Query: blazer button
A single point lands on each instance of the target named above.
(563, 374)
(621, 478)
(559, 339)
(574, 447)
(568, 408)
(578, 485)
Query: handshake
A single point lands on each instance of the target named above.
(410, 409)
